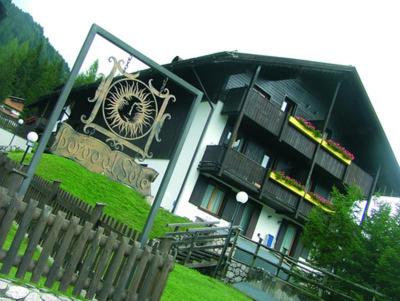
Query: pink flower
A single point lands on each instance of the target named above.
(341, 149)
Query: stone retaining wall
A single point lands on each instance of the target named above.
(236, 272)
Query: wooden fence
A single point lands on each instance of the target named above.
(50, 193)
(96, 265)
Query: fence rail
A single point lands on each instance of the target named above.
(298, 273)
(106, 267)
(209, 246)
(51, 194)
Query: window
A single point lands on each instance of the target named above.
(284, 106)
(262, 93)
(212, 199)
(265, 160)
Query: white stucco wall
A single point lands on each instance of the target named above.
(212, 136)
(160, 166)
(268, 223)
(5, 138)
(186, 155)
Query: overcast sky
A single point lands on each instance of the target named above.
(364, 34)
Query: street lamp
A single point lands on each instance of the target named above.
(31, 138)
(20, 122)
(241, 198)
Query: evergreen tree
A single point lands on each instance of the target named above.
(89, 76)
(367, 255)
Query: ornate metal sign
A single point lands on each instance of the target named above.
(125, 111)
(130, 111)
(98, 157)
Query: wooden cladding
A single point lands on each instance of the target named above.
(264, 112)
(356, 176)
(330, 163)
(105, 267)
(236, 165)
(298, 141)
(275, 191)
(244, 168)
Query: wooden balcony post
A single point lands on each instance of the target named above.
(314, 157)
(370, 195)
(241, 114)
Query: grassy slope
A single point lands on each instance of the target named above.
(123, 203)
(129, 207)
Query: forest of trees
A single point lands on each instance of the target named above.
(29, 65)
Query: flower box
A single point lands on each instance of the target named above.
(338, 151)
(320, 201)
(288, 182)
(297, 188)
(306, 128)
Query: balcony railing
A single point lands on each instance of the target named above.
(232, 165)
(264, 112)
(236, 166)
(259, 109)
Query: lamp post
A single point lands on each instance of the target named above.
(241, 198)
(20, 122)
(31, 138)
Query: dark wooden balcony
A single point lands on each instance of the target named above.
(279, 197)
(299, 141)
(232, 165)
(354, 175)
(268, 115)
(257, 108)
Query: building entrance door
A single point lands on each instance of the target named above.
(288, 239)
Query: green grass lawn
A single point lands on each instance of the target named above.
(123, 203)
(129, 207)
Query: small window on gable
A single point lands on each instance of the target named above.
(212, 199)
(262, 93)
(284, 106)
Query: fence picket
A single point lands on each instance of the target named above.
(150, 277)
(48, 246)
(132, 294)
(33, 242)
(101, 266)
(8, 218)
(19, 236)
(162, 278)
(119, 291)
(88, 262)
(59, 258)
(75, 257)
(113, 269)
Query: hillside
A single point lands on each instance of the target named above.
(21, 26)
(29, 65)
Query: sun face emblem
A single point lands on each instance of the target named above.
(130, 109)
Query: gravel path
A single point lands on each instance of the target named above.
(10, 291)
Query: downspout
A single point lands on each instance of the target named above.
(203, 133)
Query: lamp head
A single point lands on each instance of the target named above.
(242, 197)
(32, 137)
